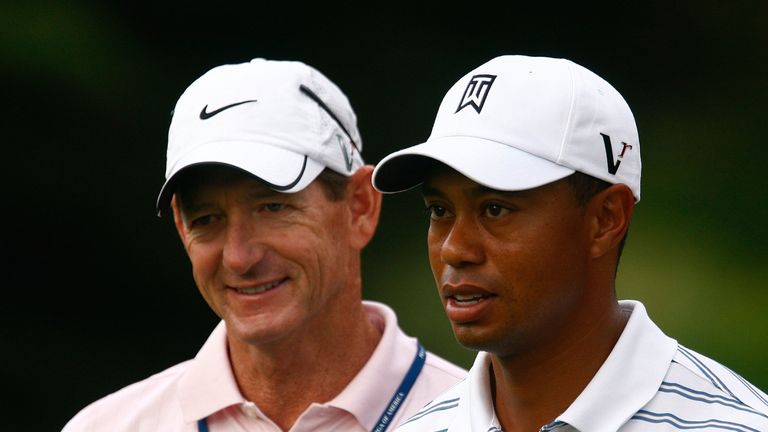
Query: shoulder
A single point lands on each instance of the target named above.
(396, 343)
(152, 399)
(438, 414)
(437, 373)
(720, 377)
(700, 392)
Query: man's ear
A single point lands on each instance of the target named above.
(610, 212)
(178, 220)
(365, 206)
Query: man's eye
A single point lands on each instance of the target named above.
(496, 210)
(274, 207)
(436, 211)
(201, 221)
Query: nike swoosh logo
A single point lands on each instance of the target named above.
(347, 159)
(205, 115)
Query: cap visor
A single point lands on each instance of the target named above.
(280, 169)
(489, 163)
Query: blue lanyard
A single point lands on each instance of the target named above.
(394, 404)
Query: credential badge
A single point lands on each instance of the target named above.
(476, 92)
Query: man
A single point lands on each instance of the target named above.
(530, 177)
(274, 204)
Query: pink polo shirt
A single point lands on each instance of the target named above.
(205, 387)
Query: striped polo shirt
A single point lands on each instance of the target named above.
(648, 383)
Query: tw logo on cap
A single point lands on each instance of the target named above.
(476, 92)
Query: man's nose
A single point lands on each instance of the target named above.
(243, 247)
(462, 245)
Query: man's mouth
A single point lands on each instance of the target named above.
(465, 300)
(261, 288)
(465, 294)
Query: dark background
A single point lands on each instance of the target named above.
(99, 291)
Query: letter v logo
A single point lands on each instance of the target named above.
(613, 166)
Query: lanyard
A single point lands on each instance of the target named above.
(394, 404)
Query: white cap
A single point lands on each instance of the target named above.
(519, 122)
(282, 121)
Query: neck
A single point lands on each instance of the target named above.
(284, 378)
(531, 391)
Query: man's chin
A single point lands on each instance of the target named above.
(255, 331)
(473, 338)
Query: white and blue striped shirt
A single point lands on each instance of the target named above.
(648, 383)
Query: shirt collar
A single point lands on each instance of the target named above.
(476, 410)
(384, 371)
(208, 384)
(629, 377)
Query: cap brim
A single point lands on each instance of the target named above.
(489, 163)
(281, 170)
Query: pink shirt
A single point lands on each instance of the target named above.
(205, 387)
